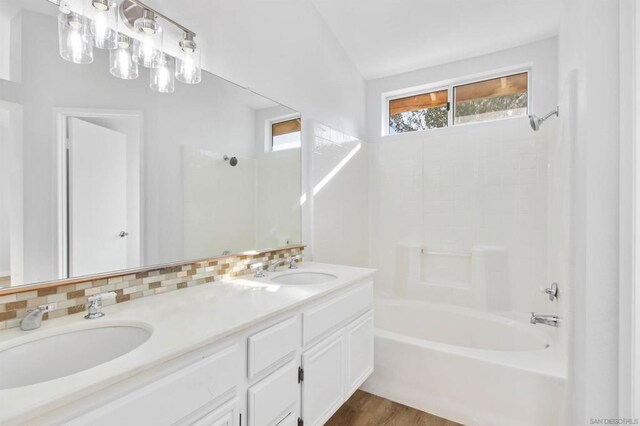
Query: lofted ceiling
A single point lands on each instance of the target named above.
(386, 37)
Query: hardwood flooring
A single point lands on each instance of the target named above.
(365, 409)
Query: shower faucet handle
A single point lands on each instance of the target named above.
(552, 291)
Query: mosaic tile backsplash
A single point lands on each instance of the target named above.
(72, 298)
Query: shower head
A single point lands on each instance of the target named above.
(233, 161)
(536, 121)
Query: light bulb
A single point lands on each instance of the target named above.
(73, 39)
(147, 45)
(74, 45)
(163, 78)
(188, 68)
(103, 16)
(121, 62)
(100, 29)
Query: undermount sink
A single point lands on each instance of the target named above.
(302, 278)
(64, 354)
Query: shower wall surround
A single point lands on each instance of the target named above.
(445, 196)
(70, 296)
(455, 190)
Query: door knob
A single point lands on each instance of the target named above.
(123, 234)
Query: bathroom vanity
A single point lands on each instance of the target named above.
(248, 351)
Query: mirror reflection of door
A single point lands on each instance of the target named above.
(99, 234)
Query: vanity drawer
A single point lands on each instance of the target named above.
(173, 397)
(329, 315)
(274, 344)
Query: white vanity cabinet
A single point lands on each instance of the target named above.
(295, 369)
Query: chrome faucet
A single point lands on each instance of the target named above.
(259, 268)
(95, 304)
(551, 320)
(33, 319)
(277, 262)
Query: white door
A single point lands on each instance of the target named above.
(275, 397)
(97, 197)
(323, 387)
(359, 352)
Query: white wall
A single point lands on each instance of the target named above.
(589, 55)
(281, 49)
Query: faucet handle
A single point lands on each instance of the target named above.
(44, 308)
(551, 291)
(259, 268)
(102, 296)
(292, 261)
(95, 304)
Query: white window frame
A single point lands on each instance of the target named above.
(268, 130)
(449, 85)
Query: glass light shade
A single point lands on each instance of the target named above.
(103, 18)
(73, 38)
(188, 67)
(147, 46)
(163, 78)
(121, 63)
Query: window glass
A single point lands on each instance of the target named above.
(286, 134)
(419, 112)
(491, 99)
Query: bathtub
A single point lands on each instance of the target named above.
(466, 365)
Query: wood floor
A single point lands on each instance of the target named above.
(364, 409)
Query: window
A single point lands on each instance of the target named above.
(460, 103)
(491, 99)
(419, 112)
(285, 134)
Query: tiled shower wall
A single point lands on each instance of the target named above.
(72, 298)
(340, 187)
(451, 189)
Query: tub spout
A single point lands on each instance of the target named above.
(551, 320)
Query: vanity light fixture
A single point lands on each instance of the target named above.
(188, 66)
(103, 18)
(163, 78)
(73, 37)
(147, 45)
(97, 26)
(121, 63)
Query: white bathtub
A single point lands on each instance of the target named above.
(465, 365)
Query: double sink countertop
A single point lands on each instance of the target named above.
(181, 321)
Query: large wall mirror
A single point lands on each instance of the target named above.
(100, 174)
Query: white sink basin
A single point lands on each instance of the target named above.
(302, 278)
(64, 354)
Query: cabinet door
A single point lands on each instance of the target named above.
(323, 388)
(359, 351)
(275, 397)
(227, 415)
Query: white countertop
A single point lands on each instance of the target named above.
(182, 321)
